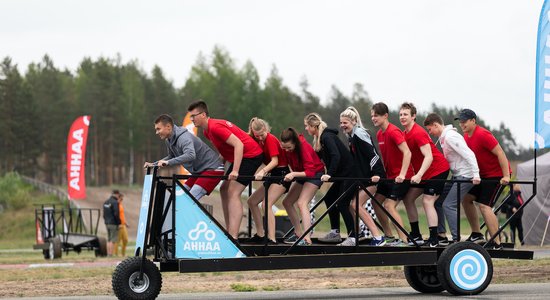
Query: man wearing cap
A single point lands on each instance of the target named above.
(494, 170)
(111, 216)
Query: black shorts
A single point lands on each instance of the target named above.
(248, 169)
(487, 191)
(278, 172)
(317, 182)
(393, 190)
(433, 188)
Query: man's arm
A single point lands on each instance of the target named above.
(426, 163)
(503, 162)
(405, 163)
(238, 149)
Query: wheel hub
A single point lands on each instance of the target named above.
(138, 285)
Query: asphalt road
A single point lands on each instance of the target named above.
(525, 291)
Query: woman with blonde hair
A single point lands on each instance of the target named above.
(339, 163)
(369, 165)
(275, 165)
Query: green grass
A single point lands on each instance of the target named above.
(243, 287)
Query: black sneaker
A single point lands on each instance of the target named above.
(271, 242)
(418, 239)
(442, 241)
(433, 242)
(475, 237)
(256, 239)
(494, 246)
(291, 239)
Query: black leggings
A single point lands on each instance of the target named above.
(515, 223)
(335, 191)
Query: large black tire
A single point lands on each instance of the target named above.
(55, 250)
(126, 284)
(423, 279)
(101, 250)
(465, 268)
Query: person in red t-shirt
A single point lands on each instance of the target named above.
(427, 163)
(396, 157)
(237, 147)
(275, 165)
(494, 170)
(303, 162)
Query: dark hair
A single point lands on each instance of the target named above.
(116, 192)
(433, 118)
(380, 108)
(164, 119)
(409, 106)
(201, 105)
(291, 135)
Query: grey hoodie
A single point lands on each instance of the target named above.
(184, 148)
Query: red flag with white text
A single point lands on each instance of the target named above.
(76, 157)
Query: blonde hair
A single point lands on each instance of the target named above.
(315, 120)
(257, 124)
(352, 114)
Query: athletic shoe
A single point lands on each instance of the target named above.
(291, 239)
(350, 241)
(396, 243)
(494, 246)
(442, 241)
(475, 237)
(271, 242)
(331, 237)
(378, 243)
(433, 242)
(390, 239)
(418, 239)
(304, 243)
(256, 239)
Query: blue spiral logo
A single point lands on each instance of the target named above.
(468, 269)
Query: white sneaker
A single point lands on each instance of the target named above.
(331, 237)
(350, 241)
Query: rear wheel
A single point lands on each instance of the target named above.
(465, 268)
(423, 278)
(54, 251)
(127, 283)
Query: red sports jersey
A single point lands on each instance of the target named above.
(272, 147)
(389, 142)
(482, 142)
(218, 131)
(418, 137)
(310, 161)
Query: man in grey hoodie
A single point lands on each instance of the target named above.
(463, 164)
(184, 148)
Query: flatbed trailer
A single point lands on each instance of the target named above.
(182, 236)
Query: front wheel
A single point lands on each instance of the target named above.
(465, 268)
(127, 283)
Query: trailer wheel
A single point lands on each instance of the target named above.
(101, 250)
(126, 282)
(54, 250)
(423, 278)
(465, 268)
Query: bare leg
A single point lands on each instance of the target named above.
(274, 192)
(224, 189)
(471, 212)
(410, 206)
(428, 201)
(288, 202)
(381, 215)
(308, 191)
(234, 207)
(490, 220)
(363, 214)
(253, 202)
(391, 206)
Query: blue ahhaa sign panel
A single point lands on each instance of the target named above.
(143, 213)
(196, 235)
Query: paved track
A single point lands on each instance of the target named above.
(494, 291)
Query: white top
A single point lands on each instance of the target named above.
(461, 158)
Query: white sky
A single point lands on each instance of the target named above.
(478, 54)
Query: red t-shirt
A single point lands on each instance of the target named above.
(482, 142)
(418, 137)
(311, 163)
(389, 142)
(272, 147)
(218, 131)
